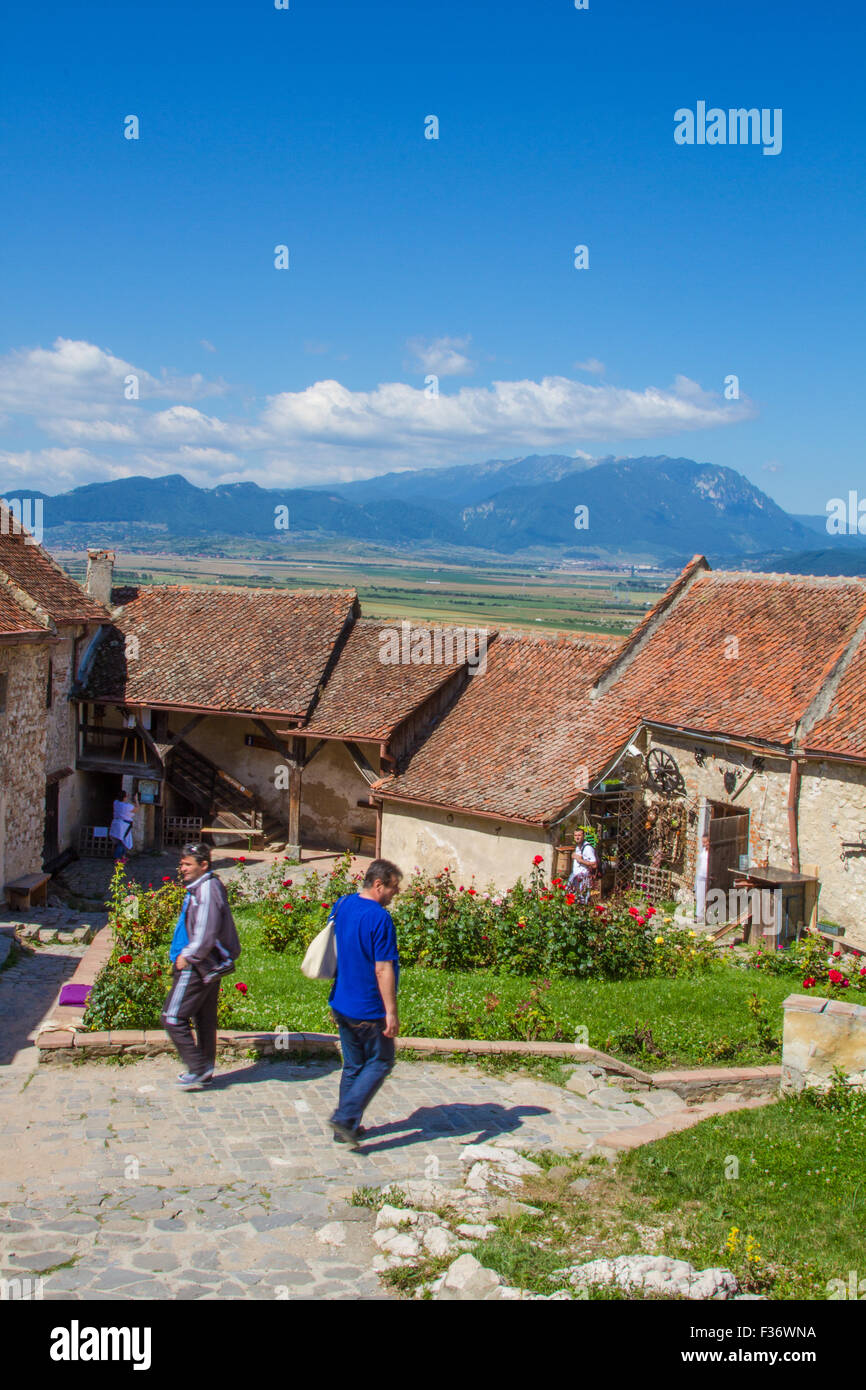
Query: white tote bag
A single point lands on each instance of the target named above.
(320, 962)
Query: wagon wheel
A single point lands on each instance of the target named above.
(663, 775)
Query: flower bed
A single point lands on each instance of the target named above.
(531, 929)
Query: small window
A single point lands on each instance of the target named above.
(49, 689)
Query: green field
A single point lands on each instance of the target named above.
(486, 594)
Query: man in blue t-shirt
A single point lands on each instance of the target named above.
(364, 994)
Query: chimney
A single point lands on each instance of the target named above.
(100, 571)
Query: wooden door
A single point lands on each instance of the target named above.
(729, 838)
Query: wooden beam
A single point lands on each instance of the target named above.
(187, 729)
(317, 747)
(271, 739)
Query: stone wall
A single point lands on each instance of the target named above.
(819, 1036)
(490, 851)
(832, 809)
(22, 758)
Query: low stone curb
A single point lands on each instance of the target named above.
(64, 1043)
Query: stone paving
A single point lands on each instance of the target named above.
(115, 1184)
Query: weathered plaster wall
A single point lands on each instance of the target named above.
(491, 852)
(331, 787)
(22, 759)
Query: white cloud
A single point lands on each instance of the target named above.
(208, 347)
(86, 378)
(327, 432)
(591, 364)
(442, 356)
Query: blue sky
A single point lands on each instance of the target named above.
(305, 127)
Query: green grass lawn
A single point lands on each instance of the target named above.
(694, 1021)
(788, 1223)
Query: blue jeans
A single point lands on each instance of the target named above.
(368, 1057)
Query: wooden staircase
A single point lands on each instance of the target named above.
(222, 800)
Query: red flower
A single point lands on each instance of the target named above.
(241, 986)
(558, 883)
(539, 859)
(633, 912)
(835, 977)
(809, 982)
(287, 907)
(472, 892)
(485, 938)
(641, 921)
(125, 960)
(241, 859)
(650, 912)
(166, 879)
(836, 955)
(287, 883)
(570, 898)
(863, 971)
(599, 907)
(326, 904)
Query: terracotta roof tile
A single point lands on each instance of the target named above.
(842, 730)
(15, 621)
(368, 696)
(31, 569)
(506, 747)
(741, 654)
(232, 649)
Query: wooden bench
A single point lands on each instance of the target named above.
(29, 891)
(235, 832)
(361, 837)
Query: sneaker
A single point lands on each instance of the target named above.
(344, 1135)
(189, 1081)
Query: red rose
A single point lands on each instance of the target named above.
(472, 892)
(641, 921)
(650, 912)
(835, 977)
(125, 960)
(836, 955)
(326, 904)
(863, 971)
(809, 982)
(287, 883)
(241, 986)
(166, 879)
(241, 859)
(599, 907)
(570, 898)
(539, 859)
(287, 907)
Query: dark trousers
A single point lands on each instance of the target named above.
(190, 998)
(368, 1057)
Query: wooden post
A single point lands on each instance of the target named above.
(295, 765)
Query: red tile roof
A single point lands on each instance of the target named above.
(506, 747)
(368, 696)
(227, 649)
(15, 621)
(842, 728)
(738, 654)
(31, 569)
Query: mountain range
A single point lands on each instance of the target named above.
(637, 510)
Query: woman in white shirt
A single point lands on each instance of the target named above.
(120, 830)
(583, 864)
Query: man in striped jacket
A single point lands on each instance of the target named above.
(204, 948)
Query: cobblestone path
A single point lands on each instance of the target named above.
(115, 1184)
